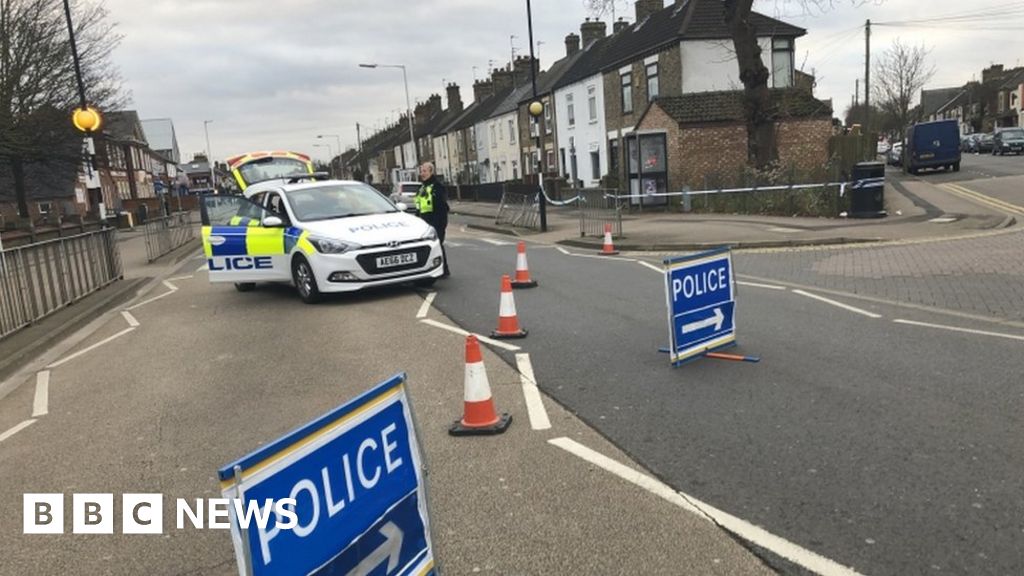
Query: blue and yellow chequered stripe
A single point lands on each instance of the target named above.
(246, 239)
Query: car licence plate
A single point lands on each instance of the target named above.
(393, 260)
(927, 156)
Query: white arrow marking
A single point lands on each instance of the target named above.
(390, 550)
(715, 321)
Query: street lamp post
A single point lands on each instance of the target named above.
(535, 109)
(408, 107)
(93, 188)
(209, 157)
(337, 139)
(330, 154)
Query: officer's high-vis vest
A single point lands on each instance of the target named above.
(425, 199)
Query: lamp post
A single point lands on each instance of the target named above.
(337, 139)
(330, 154)
(209, 156)
(87, 120)
(408, 107)
(536, 109)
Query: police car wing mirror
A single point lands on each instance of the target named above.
(272, 222)
(402, 206)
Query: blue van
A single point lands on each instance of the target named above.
(932, 145)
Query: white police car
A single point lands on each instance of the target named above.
(327, 236)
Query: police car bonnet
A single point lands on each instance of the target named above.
(374, 229)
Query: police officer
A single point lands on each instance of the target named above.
(432, 204)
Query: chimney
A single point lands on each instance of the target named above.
(482, 89)
(619, 26)
(572, 44)
(645, 8)
(434, 105)
(454, 97)
(592, 31)
(522, 69)
(502, 80)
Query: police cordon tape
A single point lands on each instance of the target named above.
(854, 184)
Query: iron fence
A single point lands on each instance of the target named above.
(598, 207)
(520, 210)
(168, 233)
(38, 279)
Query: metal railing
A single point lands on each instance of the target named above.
(38, 279)
(519, 210)
(168, 233)
(598, 207)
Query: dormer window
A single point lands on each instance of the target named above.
(782, 62)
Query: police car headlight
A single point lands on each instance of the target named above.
(328, 246)
(430, 234)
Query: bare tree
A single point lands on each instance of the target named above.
(900, 73)
(38, 89)
(760, 116)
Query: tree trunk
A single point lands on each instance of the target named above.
(761, 149)
(18, 172)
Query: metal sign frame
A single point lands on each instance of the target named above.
(398, 510)
(721, 337)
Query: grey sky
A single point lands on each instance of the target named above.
(276, 74)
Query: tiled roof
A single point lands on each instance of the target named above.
(1013, 79)
(478, 112)
(727, 106)
(124, 125)
(932, 100)
(707, 21)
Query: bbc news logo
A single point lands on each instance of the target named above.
(144, 513)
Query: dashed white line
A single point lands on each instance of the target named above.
(41, 402)
(757, 285)
(496, 242)
(651, 266)
(201, 268)
(534, 403)
(169, 285)
(743, 529)
(129, 318)
(153, 299)
(837, 304)
(462, 332)
(67, 359)
(959, 329)
(185, 277)
(425, 307)
(16, 429)
(563, 250)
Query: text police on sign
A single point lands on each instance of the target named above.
(701, 303)
(356, 477)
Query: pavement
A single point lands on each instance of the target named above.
(917, 210)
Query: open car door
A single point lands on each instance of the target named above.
(243, 242)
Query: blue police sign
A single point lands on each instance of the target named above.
(355, 475)
(701, 303)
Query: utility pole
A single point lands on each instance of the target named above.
(856, 91)
(867, 74)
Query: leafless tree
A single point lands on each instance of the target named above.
(900, 73)
(38, 89)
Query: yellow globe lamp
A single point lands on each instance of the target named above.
(536, 108)
(87, 119)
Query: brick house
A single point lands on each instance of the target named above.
(126, 163)
(683, 140)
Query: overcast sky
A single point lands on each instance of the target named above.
(274, 74)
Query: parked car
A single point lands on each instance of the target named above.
(405, 192)
(932, 145)
(983, 143)
(895, 155)
(966, 141)
(1008, 141)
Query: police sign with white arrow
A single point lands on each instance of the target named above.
(700, 294)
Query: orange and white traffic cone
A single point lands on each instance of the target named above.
(478, 413)
(508, 323)
(609, 248)
(522, 269)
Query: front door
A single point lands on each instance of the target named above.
(648, 170)
(237, 245)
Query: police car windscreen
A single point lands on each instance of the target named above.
(339, 201)
(270, 168)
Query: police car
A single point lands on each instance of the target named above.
(322, 236)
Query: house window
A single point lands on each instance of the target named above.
(494, 140)
(627, 93)
(652, 81)
(613, 156)
(570, 110)
(592, 102)
(547, 118)
(595, 165)
(551, 160)
(511, 132)
(44, 208)
(782, 62)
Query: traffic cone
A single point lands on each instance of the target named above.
(522, 269)
(478, 413)
(609, 248)
(508, 323)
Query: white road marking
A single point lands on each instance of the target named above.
(838, 304)
(534, 403)
(67, 359)
(756, 285)
(563, 250)
(453, 245)
(16, 429)
(186, 277)
(153, 299)
(800, 556)
(958, 329)
(496, 242)
(201, 268)
(129, 318)
(41, 403)
(479, 337)
(651, 266)
(425, 307)
(169, 285)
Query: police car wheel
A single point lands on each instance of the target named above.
(245, 286)
(305, 281)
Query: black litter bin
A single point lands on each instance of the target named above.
(867, 191)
